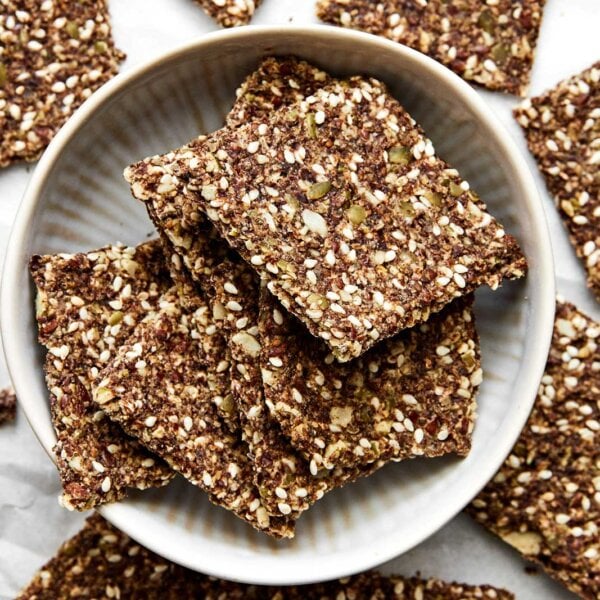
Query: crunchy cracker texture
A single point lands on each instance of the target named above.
(281, 474)
(357, 249)
(87, 305)
(55, 53)
(102, 562)
(490, 43)
(8, 405)
(160, 389)
(545, 500)
(191, 297)
(562, 128)
(409, 396)
(230, 13)
(277, 82)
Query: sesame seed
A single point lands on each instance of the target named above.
(284, 509)
(253, 147)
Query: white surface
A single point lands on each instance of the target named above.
(31, 523)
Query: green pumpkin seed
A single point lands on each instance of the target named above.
(318, 190)
(486, 21)
(72, 29)
(356, 214)
(399, 155)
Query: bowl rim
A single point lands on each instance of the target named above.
(540, 318)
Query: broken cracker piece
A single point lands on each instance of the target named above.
(413, 395)
(102, 562)
(8, 405)
(545, 499)
(160, 389)
(358, 249)
(489, 43)
(230, 13)
(561, 127)
(87, 305)
(54, 55)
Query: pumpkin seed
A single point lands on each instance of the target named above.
(318, 190)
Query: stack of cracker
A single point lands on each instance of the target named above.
(305, 317)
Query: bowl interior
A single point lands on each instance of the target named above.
(78, 200)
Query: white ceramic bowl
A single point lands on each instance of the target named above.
(78, 200)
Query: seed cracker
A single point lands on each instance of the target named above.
(54, 54)
(230, 13)
(277, 82)
(159, 389)
(87, 305)
(490, 43)
(562, 128)
(281, 474)
(545, 500)
(357, 249)
(191, 297)
(411, 395)
(102, 562)
(8, 405)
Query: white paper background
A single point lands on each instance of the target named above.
(31, 523)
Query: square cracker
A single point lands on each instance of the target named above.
(87, 305)
(55, 53)
(160, 388)
(8, 405)
(102, 562)
(545, 499)
(358, 249)
(230, 13)
(490, 43)
(562, 128)
(412, 395)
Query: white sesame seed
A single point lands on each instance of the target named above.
(284, 509)
(97, 466)
(150, 421)
(106, 483)
(459, 280)
(253, 147)
(276, 361)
